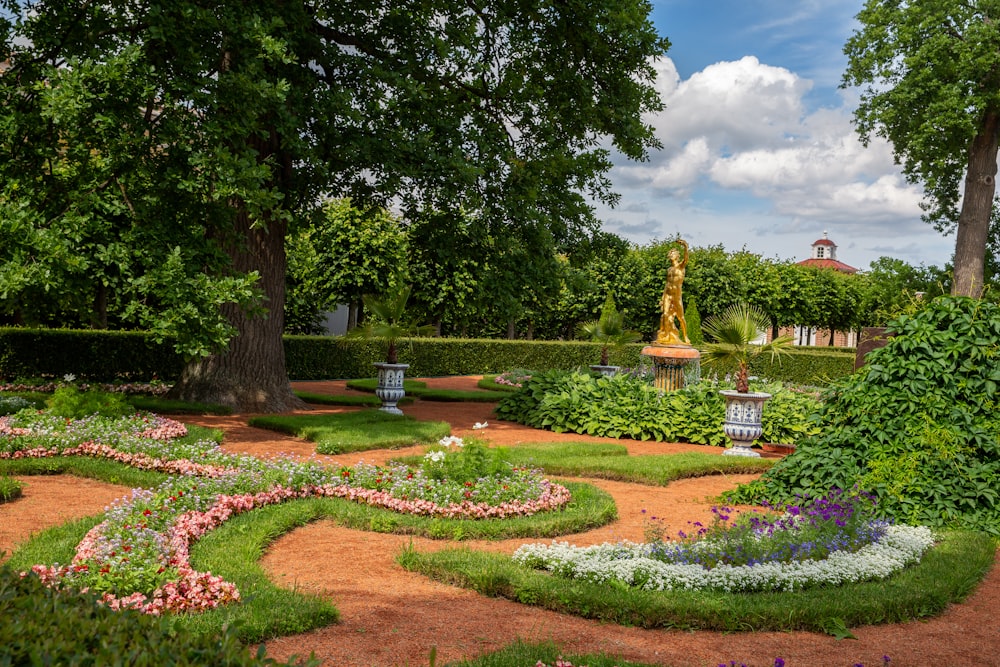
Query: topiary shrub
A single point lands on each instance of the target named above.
(917, 425)
(693, 319)
(46, 626)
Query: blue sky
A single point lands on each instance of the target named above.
(759, 149)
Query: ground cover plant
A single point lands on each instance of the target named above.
(9, 489)
(356, 431)
(625, 406)
(138, 556)
(917, 425)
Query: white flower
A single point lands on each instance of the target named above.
(434, 457)
(628, 562)
(450, 440)
(69, 377)
(479, 425)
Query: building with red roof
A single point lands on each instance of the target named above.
(824, 256)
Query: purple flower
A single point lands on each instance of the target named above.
(779, 662)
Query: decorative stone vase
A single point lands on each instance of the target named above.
(606, 371)
(743, 420)
(389, 388)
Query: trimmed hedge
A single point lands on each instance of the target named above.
(809, 366)
(102, 356)
(107, 356)
(45, 626)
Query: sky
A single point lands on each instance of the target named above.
(759, 150)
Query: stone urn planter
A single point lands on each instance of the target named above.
(606, 371)
(389, 388)
(743, 420)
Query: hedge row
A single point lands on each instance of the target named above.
(107, 356)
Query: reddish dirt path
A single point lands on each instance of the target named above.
(390, 617)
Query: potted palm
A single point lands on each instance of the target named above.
(387, 323)
(610, 331)
(732, 336)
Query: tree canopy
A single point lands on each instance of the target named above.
(208, 128)
(930, 77)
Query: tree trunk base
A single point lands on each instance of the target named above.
(198, 384)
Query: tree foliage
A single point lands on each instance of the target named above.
(208, 128)
(930, 73)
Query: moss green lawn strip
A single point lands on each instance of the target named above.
(946, 574)
(611, 461)
(344, 399)
(358, 431)
(419, 390)
(524, 654)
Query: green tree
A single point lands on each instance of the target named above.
(931, 78)
(891, 287)
(693, 318)
(214, 126)
(445, 262)
(344, 254)
(608, 330)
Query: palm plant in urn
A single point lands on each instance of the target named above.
(387, 323)
(610, 332)
(732, 335)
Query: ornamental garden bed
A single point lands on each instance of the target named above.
(341, 640)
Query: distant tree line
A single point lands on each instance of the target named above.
(468, 282)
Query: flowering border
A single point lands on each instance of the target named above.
(188, 590)
(630, 563)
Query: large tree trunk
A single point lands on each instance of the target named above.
(250, 376)
(977, 205)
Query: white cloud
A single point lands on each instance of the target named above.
(743, 131)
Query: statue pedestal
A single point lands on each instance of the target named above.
(673, 365)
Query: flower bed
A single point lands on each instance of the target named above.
(137, 558)
(826, 542)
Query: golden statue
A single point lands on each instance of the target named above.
(670, 303)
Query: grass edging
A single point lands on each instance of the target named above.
(602, 460)
(234, 549)
(420, 390)
(355, 431)
(946, 574)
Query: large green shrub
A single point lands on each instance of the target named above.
(629, 407)
(917, 425)
(44, 626)
(72, 403)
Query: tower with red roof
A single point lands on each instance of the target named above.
(824, 256)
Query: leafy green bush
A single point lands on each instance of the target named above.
(11, 404)
(9, 489)
(624, 406)
(917, 426)
(72, 403)
(44, 626)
